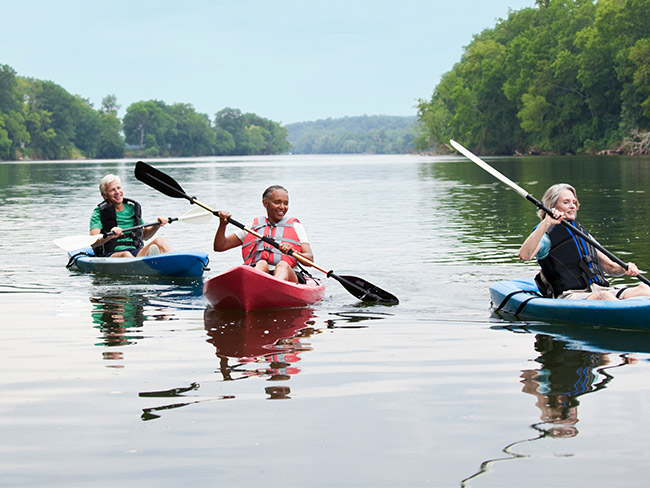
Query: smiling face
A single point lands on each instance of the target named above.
(276, 205)
(113, 193)
(567, 203)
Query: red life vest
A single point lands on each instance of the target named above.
(254, 249)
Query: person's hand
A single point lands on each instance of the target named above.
(558, 216)
(223, 216)
(285, 247)
(117, 231)
(631, 270)
(163, 220)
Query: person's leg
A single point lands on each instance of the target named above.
(161, 242)
(641, 290)
(284, 272)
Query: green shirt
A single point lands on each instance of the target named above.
(125, 219)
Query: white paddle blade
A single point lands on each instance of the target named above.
(197, 215)
(71, 243)
(475, 159)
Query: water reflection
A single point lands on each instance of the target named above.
(119, 317)
(565, 374)
(265, 344)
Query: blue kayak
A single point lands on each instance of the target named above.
(188, 264)
(521, 299)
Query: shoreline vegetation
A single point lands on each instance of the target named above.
(564, 77)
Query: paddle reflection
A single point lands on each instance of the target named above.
(265, 344)
(565, 374)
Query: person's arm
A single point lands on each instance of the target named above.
(531, 245)
(149, 232)
(221, 241)
(613, 269)
(305, 247)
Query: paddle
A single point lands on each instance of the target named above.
(358, 287)
(71, 243)
(540, 205)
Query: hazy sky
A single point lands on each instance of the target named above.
(286, 60)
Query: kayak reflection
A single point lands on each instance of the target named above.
(566, 372)
(266, 344)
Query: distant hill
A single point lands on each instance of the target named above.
(366, 134)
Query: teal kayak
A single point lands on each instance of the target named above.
(521, 299)
(188, 264)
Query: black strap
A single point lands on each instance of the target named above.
(523, 304)
(74, 257)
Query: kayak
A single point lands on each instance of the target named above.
(246, 288)
(521, 299)
(188, 264)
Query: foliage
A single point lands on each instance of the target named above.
(568, 76)
(353, 135)
(41, 120)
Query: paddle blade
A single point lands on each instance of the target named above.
(71, 243)
(364, 290)
(198, 215)
(159, 181)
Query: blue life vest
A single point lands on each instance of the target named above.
(572, 263)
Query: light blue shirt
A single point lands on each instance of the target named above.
(544, 247)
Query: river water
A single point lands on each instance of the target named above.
(136, 382)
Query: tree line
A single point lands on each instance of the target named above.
(376, 134)
(41, 120)
(566, 77)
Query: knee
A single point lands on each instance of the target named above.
(162, 244)
(602, 295)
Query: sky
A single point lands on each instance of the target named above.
(285, 60)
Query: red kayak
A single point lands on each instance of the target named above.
(246, 288)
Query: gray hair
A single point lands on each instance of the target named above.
(107, 180)
(552, 195)
(267, 193)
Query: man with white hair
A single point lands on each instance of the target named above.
(115, 213)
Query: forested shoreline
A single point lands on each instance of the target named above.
(565, 77)
(41, 120)
(366, 134)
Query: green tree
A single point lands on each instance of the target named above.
(147, 126)
(191, 134)
(111, 143)
(565, 77)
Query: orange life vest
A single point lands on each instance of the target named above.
(254, 249)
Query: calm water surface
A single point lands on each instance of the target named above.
(138, 383)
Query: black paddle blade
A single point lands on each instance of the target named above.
(364, 290)
(160, 181)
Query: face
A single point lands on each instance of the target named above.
(114, 194)
(276, 205)
(567, 203)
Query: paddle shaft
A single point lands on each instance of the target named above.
(541, 206)
(142, 226)
(167, 185)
